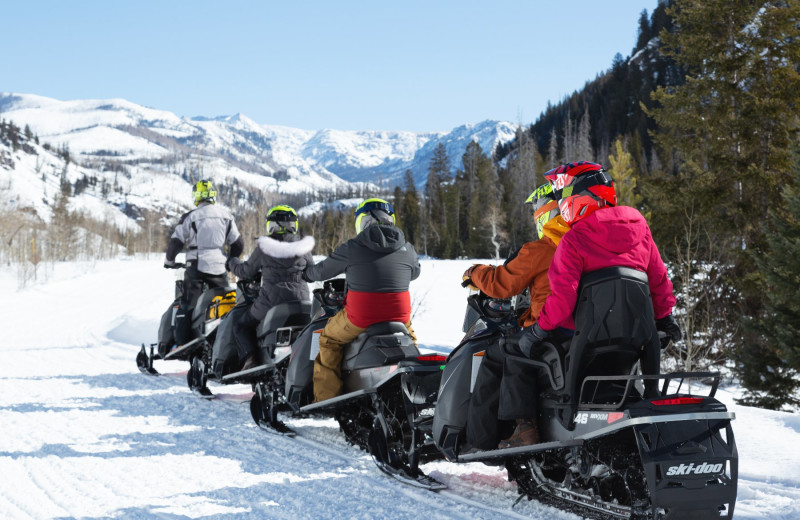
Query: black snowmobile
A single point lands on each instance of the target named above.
(388, 386)
(197, 326)
(619, 440)
(275, 334)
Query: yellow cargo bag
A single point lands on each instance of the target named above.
(220, 305)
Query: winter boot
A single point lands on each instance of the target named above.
(525, 434)
(249, 363)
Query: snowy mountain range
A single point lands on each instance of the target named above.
(148, 155)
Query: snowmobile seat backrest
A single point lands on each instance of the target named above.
(286, 314)
(614, 329)
(381, 344)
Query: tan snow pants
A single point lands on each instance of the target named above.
(328, 364)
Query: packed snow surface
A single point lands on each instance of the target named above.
(85, 435)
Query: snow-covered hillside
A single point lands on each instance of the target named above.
(151, 153)
(85, 435)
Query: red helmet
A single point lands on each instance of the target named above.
(581, 188)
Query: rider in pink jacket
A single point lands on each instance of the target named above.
(601, 235)
(612, 236)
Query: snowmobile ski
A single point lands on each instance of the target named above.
(265, 413)
(144, 361)
(196, 378)
(416, 479)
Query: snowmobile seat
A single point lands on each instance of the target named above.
(614, 330)
(381, 344)
(281, 325)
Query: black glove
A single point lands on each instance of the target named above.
(305, 277)
(228, 264)
(170, 264)
(668, 326)
(531, 337)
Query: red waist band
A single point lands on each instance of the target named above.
(367, 308)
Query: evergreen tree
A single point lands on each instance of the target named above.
(583, 142)
(770, 367)
(726, 145)
(620, 166)
(410, 209)
(435, 210)
(479, 196)
(517, 180)
(644, 30)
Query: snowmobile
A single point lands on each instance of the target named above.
(198, 330)
(619, 440)
(388, 386)
(277, 331)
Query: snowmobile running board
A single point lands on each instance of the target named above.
(185, 348)
(327, 403)
(581, 439)
(249, 374)
(333, 401)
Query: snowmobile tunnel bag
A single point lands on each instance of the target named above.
(221, 305)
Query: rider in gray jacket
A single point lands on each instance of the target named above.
(379, 265)
(280, 257)
(205, 231)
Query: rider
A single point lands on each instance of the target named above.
(379, 265)
(525, 268)
(280, 257)
(601, 235)
(205, 230)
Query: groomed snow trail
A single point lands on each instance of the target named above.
(85, 435)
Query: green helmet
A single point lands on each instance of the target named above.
(282, 219)
(204, 191)
(544, 206)
(373, 211)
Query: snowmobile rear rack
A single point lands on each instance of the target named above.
(594, 394)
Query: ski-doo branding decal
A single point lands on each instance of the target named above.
(704, 468)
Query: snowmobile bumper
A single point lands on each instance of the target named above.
(691, 466)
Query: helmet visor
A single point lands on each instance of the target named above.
(370, 211)
(279, 222)
(544, 215)
(280, 227)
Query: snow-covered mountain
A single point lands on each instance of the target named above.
(153, 153)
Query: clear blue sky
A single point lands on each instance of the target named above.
(351, 65)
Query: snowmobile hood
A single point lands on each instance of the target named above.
(286, 248)
(616, 229)
(382, 238)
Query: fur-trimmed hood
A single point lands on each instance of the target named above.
(279, 249)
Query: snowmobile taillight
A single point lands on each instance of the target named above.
(677, 400)
(436, 358)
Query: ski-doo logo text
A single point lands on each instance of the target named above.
(690, 469)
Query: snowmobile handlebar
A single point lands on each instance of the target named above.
(176, 265)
